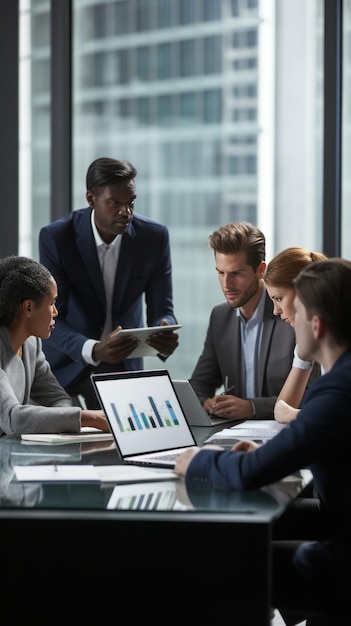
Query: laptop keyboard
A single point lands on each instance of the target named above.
(164, 457)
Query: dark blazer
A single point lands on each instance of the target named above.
(318, 439)
(221, 357)
(67, 248)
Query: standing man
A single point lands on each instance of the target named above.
(91, 310)
(247, 348)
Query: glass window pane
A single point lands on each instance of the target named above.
(164, 61)
(213, 124)
(223, 122)
(35, 124)
(188, 65)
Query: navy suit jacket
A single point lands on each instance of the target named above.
(319, 439)
(221, 357)
(67, 248)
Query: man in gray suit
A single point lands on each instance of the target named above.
(247, 349)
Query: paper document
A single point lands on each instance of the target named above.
(250, 429)
(86, 434)
(133, 473)
(99, 473)
(56, 473)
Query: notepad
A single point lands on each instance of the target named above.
(86, 473)
(262, 430)
(56, 473)
(133, 474)
(85, 434)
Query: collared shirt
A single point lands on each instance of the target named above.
(251, 336)
(100, 244)
(87, 349)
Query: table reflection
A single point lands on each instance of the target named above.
(157, 496)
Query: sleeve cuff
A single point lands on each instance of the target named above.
(87, 352)
(299, 363)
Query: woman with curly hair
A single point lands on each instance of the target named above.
(32, 400)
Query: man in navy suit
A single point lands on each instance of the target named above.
(314, 574)
(73, 248)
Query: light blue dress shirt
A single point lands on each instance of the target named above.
(251, 335)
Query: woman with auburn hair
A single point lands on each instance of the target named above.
(279, 276)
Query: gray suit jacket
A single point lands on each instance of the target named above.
(221, 357)
(32, 401)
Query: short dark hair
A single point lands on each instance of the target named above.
(21, 278)
(324, 288)
(104, 171)
(238, 237)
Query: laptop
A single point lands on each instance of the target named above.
(145, 416)
(192, 407)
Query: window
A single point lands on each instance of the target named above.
(221, 113)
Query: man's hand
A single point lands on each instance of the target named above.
(184, 459)
(164, 342)
(245, 446)
(229, 406)
(114, 348)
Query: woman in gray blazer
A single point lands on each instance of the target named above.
(32, 400)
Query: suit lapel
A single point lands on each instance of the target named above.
(87, 250)
(127, 256)
(268, 327)
(237, 353)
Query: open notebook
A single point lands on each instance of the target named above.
(145, 416)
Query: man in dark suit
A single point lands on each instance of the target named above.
(73, 248)
(247, 348)
(311, 572)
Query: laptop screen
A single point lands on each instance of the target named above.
(143, 411)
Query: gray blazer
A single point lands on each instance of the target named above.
(32, 401)
(221, 357)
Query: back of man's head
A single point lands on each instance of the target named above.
(105, 171)
(324, 288)
(240, 237)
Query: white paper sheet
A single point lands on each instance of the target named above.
(56, 473)
(100, 473)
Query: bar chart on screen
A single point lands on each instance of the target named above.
(151, 415)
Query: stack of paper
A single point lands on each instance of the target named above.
(86, 434)
(105, 474)
(258, 430)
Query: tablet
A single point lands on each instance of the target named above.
(143, 349)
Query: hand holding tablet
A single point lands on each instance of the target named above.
(143, 335)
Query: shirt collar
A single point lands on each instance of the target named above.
(98, 240)
(259, 311)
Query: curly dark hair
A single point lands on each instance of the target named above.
(21, 278)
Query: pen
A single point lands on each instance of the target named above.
(226, 388)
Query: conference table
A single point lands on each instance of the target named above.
(89, 552)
